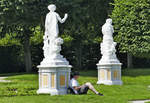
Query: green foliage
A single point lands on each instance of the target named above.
(81, 32)
(84, 29)
(11, 59)
(17, 91)
(132, 23)
(20, 86)
(20, 17)
(9, 41)
(37, 36)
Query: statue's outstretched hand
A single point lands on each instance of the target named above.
(66, 15)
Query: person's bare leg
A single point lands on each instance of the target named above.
(91, 87)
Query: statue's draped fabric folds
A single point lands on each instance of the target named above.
(54, 70)
(109, 67)
(52, 43)
(108, 45)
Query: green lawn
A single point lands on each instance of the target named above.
(24, 86)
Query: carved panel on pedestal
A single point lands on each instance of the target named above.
(62, 80)
(102, 74)
(45, 80)
(115, 74)
(52, 80)
(108, 74)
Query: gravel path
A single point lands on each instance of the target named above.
(2, 79)
(140, 101)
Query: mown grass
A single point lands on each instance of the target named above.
(23, 88)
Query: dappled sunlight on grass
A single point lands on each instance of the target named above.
(134, 87)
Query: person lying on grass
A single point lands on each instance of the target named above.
(74, 85)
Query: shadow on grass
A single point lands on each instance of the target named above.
(14, 74)
(136, 72)
(125, 72)
(93, 73)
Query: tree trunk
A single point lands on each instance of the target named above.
(79, 57)
(27, 55)
(129, 60)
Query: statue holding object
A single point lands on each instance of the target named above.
(52, 43)
(54, 70)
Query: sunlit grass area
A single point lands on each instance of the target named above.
(23, 88)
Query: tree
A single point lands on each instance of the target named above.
(84, 27)
(132, 21)
(19, 18)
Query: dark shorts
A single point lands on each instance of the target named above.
(83, 90)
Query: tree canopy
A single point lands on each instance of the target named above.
(22, 25)
(132, 21)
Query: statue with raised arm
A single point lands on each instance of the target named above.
(52, 43)
(54, 70)
(51, 23)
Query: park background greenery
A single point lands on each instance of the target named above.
(21, 36)
(22, 30)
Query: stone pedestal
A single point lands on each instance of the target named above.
(54, 71)
(109, 74)
(54, 80)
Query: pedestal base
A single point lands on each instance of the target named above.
(107, 82)
(54, 80)
(52, 91)
(109, 74)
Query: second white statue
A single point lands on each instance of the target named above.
(108, 45)
(109, 67)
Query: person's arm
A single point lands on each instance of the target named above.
(62, 20)
(77, 87)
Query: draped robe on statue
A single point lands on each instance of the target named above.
(51, 32)
(51, 25)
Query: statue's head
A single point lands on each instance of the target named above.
(52, 7)
(109, 21)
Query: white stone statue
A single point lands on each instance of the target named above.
(52, 43)
(51, 23)
(108, 45)
(109, 67)
(54, 70)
